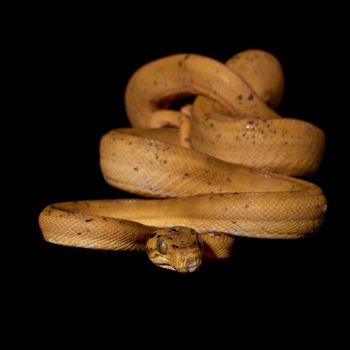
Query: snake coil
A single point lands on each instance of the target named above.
(217, 169)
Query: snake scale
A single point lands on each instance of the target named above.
(219, 168)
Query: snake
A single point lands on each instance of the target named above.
(223, 166)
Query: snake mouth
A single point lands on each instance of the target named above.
(167, 266)
(189, 267)
(185, 269)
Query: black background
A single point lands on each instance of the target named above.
(75, 73)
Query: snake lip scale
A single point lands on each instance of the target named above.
(225, 166)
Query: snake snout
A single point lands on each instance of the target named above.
(190, 265)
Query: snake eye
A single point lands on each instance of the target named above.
(162, 247)
(200, 241)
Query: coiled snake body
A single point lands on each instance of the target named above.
(218, 169)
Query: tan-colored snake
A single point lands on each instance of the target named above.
(218, 168)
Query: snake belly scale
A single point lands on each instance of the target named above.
(217, 169)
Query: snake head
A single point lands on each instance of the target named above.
(176, 248)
